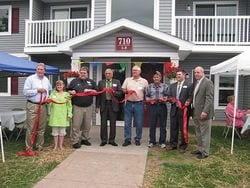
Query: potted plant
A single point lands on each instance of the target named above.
(171, 70)
(70, 75)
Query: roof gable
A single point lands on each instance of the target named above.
(122, 24)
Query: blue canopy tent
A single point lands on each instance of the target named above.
(12, 63)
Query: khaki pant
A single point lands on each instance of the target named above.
(203, 134)
(30, 122)
(81, 123)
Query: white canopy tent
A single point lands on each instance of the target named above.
(238, 65)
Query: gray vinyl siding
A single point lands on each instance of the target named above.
(165, 18)
(37, 12)
(99, 13)
(140, 44)
(14, 101)
(14, 43)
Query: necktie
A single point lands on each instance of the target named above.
(108, 85)
(178, 90)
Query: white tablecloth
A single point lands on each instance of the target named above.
(246, 125)
(9, 118)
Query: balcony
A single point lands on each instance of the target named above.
(48, 33)
(214, 30)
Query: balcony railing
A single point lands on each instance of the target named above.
(51, 32)
(218, 30)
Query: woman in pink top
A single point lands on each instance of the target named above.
(240, 114)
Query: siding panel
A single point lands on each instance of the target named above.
(140, 44)
(14, 43)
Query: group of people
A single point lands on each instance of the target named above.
(74, 104)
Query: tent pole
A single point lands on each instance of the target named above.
(235, 106)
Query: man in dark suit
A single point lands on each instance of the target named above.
(181, 91)
(108, 107)
(203, 111)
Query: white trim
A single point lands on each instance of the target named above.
(121, 24)
(9, 7)
(128, 54)
(219, 49)
(92, 13)
(156, 14)
(108, 11)
(30, 10)
(173, 24)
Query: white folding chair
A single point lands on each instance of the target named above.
(229, 125)
(1, 140)
(20, 126)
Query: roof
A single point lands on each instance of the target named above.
(182, 45)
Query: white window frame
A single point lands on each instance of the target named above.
(155, 18)
(8, 92)
(215, 3)
(69, 7)
(217, 88)
(9, 7)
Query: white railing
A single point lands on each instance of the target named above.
(221, 30)
(51, 32)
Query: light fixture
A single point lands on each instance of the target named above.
(188, 8)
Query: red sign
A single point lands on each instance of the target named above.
(124, 43)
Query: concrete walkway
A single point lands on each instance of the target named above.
(104, 167)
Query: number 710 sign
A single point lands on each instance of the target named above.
(124, 43)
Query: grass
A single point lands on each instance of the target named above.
(24, 172)
(221, 169)
(163, 169)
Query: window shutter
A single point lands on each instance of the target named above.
(14, 85)
(15, 20)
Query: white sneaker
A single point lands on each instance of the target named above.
(150, 145)
(163, 146)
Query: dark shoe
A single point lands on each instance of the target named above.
(196, 152)
(137, 143)
(113, 143)
(126, 143)
(103, 143)
(202, 156)
(85, 142)
(76, 145)
(168, 148)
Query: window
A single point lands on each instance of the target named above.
(5, 86)
(210, 29)
(226, 88)
(70, 12)
(5, 20)
(216, 9)
(140, 11)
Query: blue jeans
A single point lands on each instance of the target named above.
(158, 111)
(136, 110)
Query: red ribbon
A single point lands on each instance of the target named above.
(184, 119)
(29, 151)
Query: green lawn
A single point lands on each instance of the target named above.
(164, 168)
(24, 172)
(221, 169)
